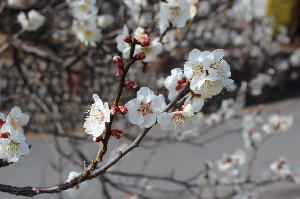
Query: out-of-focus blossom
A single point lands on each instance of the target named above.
(75, 191)
(33, 22)
(105, 21)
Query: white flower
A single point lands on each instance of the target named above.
(80, 8)
(213, 119)
(105, 21)
(151, 51)
(257, 83)
(13, 147)
(17, 119)
(239, 157)
(208, 72)
(89, 36)
(135, 5)
(75, 191)
(121, 45)
(280, 167)
(177, 121)
(176, 12)
(225, 163)
(251, 140)
(99, 113)
(232, 176)
(174, 82)
(144, 109)
(278, 123)
(33, 22)
(248, 122)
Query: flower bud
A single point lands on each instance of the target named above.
(114, 110)
(139, 56)
(116, 133)
(130, 85)
(119, 73)
(188, 108)
(122, 110)
(127, 39)
(144, 41)
(98, 139)
(118, 62)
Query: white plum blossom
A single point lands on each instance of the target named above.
(280, 167)
(248, 122)
(33, 22)
(105, 21)
(257, 83)
(121, 45)
(176, 12)
(75, 191)
(135, 5)
(208, 72)
(213, 119)
(12, 147)
(225, 163)
(251, 140)
(151, 51)
(16, 119)
(177, 121)
(99, 114)
(144, 109)
(174, 82)
(277, 123)
(231, 177)
(238, 157)
(80, 8)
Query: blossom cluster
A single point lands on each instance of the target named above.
(86, 24)
(32, 22)
(12, 142)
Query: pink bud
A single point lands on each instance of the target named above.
(122, 110)
(116, 133)
(118, 62)
(119, 73)
(114, 110)
(139, 56)
(144, 41)
(130, 85)
(127, 39)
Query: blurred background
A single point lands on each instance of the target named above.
(52, 76)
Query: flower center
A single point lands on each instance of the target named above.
(96, 116)
(180, 83)
(175, 10)
(12, 146)
(146, 50)
(197, 70)
(178, 121)
(82, 7)
(145, 108)
(87, 33)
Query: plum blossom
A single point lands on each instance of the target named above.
(177, 121)
(144, 109)
(16, 119)
(213, 119)
(208, 72)
(238, 157)
(151, 51)
(104, 21)
(257, 83)
(135, 5)
(277, 123)
(251, 140)
(33, 22)
(15, 2)
(99, 114)
(82, 7)
(12, 147)
(176, 12)
(174, 82)
(280, 167)
(75, 191)
(225, 163)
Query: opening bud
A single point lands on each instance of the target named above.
(116, 133)
(118, 62)
(144, 41)
(114, 110)
(139, 56)
(130, 85)
(119, 73)
(122, 110)
(127, 39)
(98, 139)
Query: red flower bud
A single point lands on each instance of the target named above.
(119, 73)
(98, 139)
(114, 110)
(144, 41)
(116, 133)
(122, 110)
(118, 62)
(130, 85)
(139, 56)
(127, 39)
